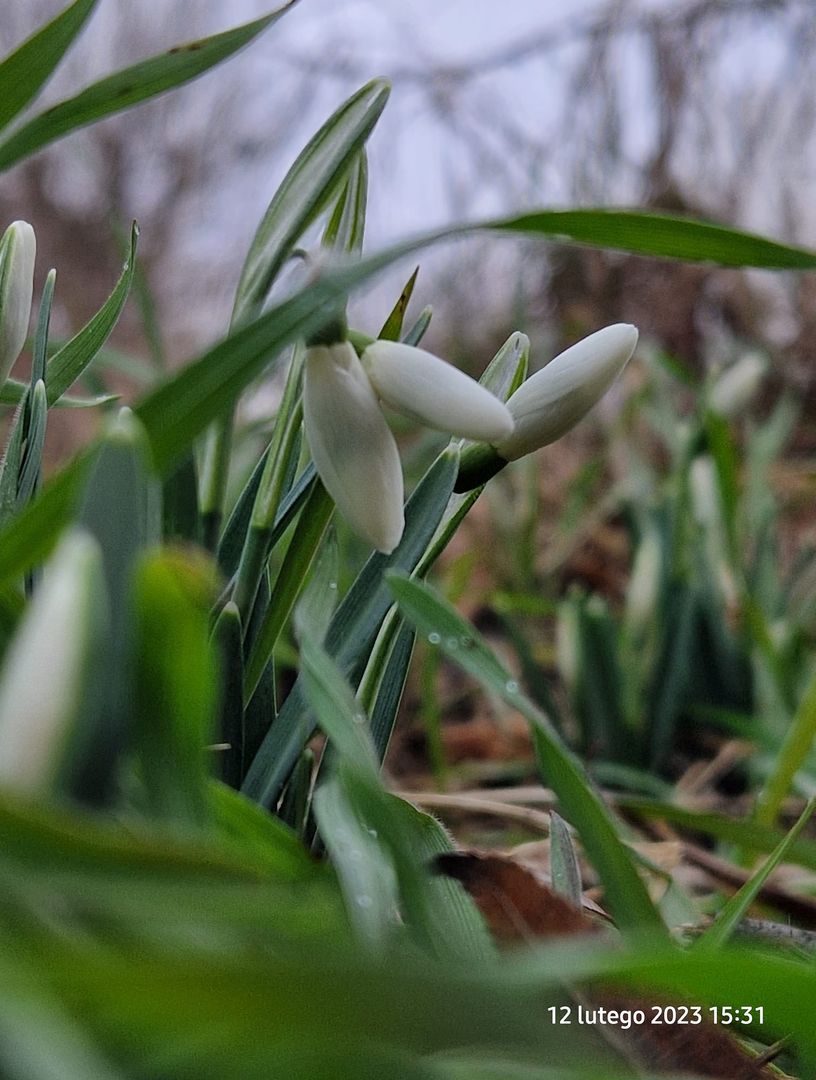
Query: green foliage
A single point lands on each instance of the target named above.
(157, 922)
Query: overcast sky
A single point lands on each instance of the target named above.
(508, 137)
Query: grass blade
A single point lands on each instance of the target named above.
(737, 907)
(126, 88)
(795, 748)
(625, 892)
(662, 236)
(68, 363)
(24, 72)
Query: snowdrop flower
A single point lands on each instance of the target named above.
(353, 449)
(735, 386)
(17, 250)
(553, 400)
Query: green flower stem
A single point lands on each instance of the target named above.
(311, 527)
(214, 472)
(371, 681)
(270, 491)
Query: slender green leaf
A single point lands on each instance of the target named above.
(66, 840)
(346, 226)
(13, 390)
(352, 630)
(232, 538)
(392, 327)
(228, 640)
(566, 876)
(24, 72)
(306, 189)
(391, 687)
(180, 520)
(32, 534)
(669, 693)
(662, 236)
(119, 508)
(746, 834)
(297, 562)
(280, 465)
(39, 351)
(263, 838)
(363, 867)
(443, 626)
(790, 758)
(175, 684)
(35, 441)
(337, 711)
(318, 601)
(417, 330)
(444, 919)
(120, 91)
(12, 459)
(737, 907)
(68, 363)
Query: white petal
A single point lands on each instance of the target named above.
(553, 400)
(352, 446)
(428, 389)
(17, 251)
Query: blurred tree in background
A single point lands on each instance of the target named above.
(701, 106)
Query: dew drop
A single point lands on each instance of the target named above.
(359, 718)
(363, 900)
(333, 586)
(511, 686)
(434, 638)
(452, 643)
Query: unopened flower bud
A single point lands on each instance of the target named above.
(46, 665)
(735, 386)
(553, 400)
(18, 248)
(435, 393)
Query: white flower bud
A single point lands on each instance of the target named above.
(735, 386)
(553, 400)
(352, 447)
(18, 248)
(44, 672)
(435, 393)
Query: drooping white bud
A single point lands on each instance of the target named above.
(735, 386)
(434, 392)
(553, 400)
(18, 248)
(352, 447)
